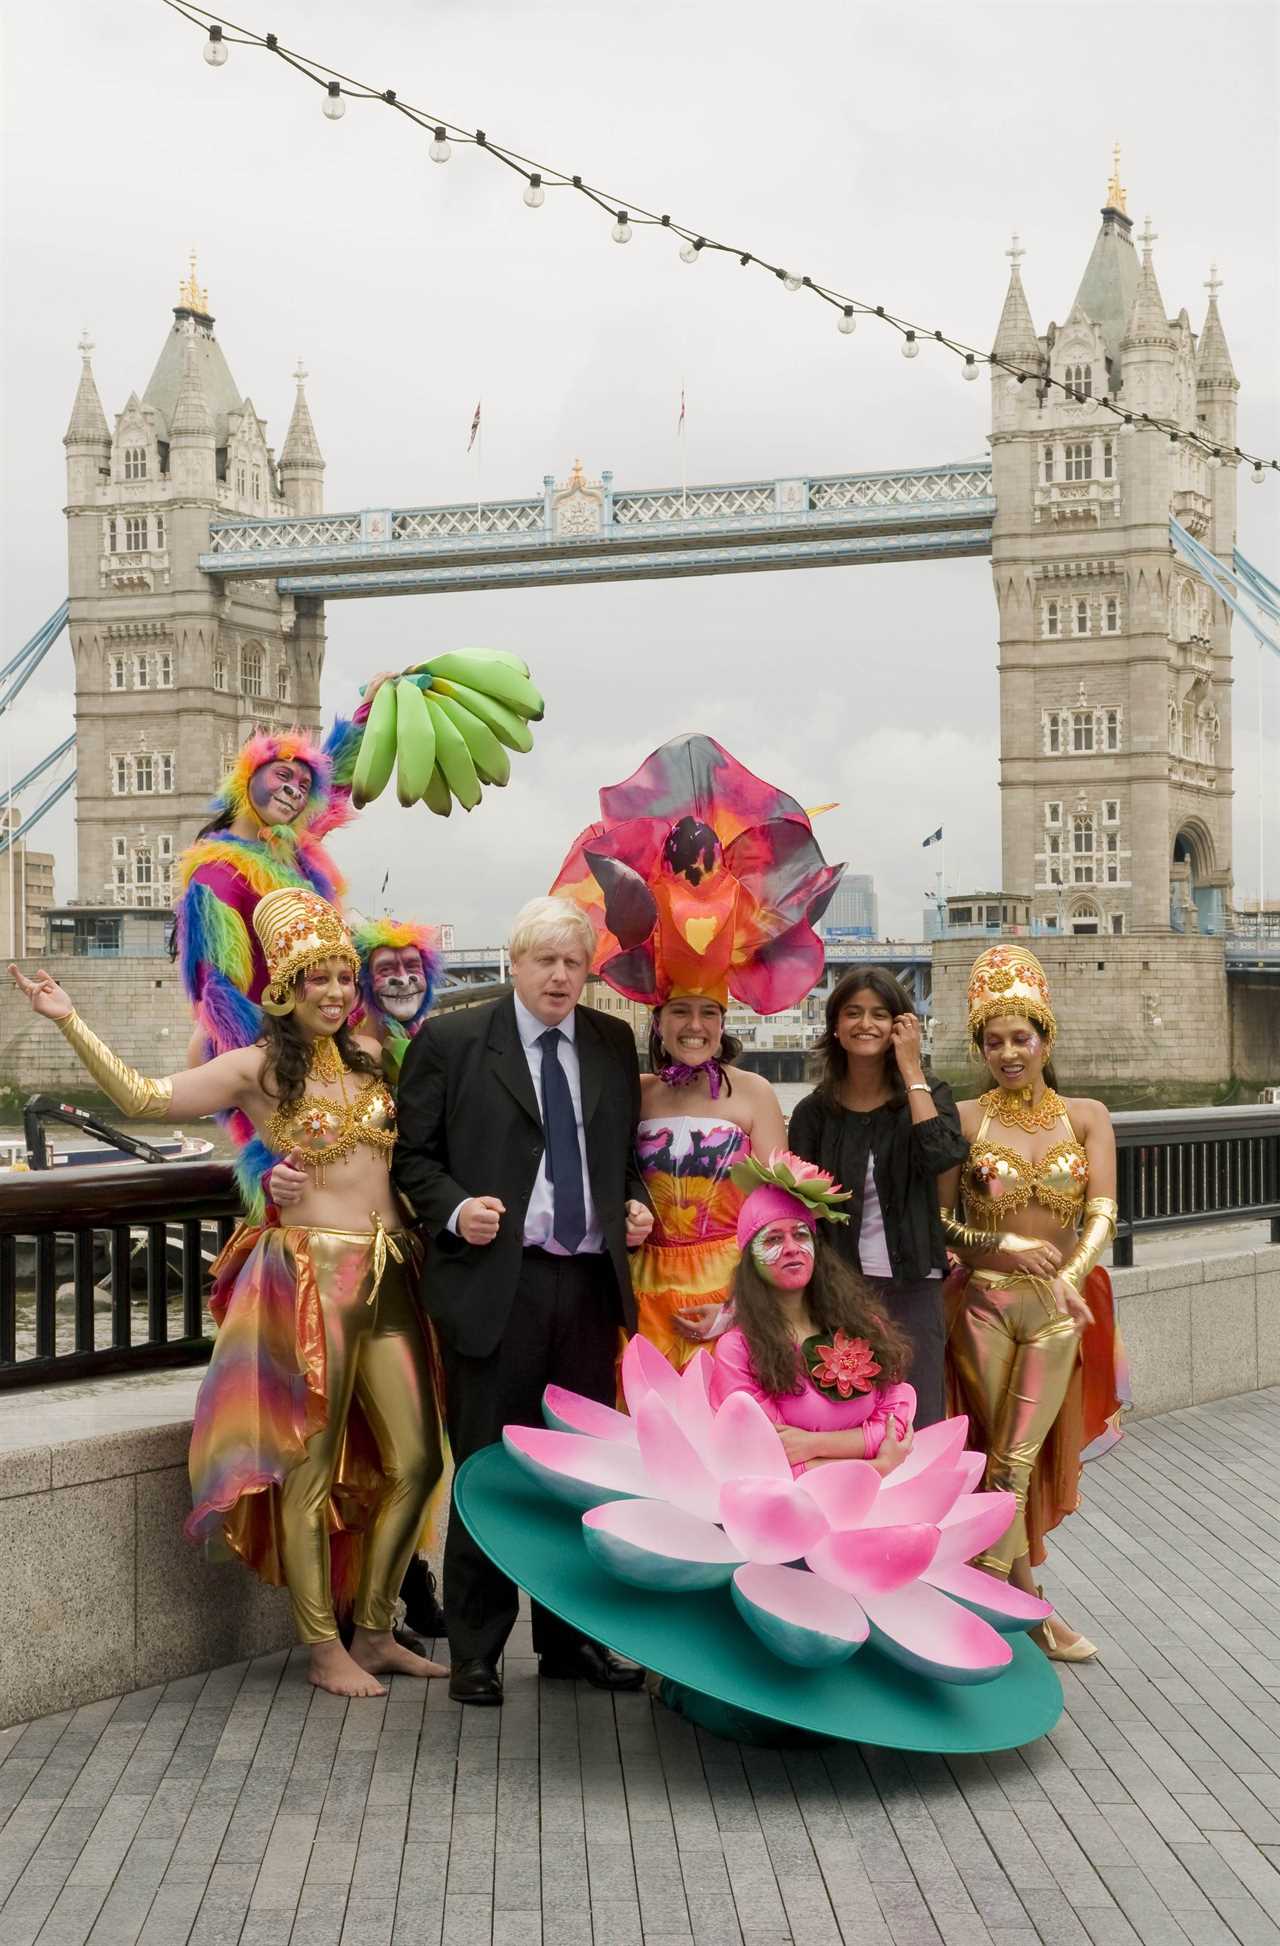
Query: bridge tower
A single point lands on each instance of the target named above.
(173, 670)
(1115, 659)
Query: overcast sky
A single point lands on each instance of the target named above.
(888, 150)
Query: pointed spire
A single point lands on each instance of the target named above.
(88, 422)
(191, 414)
(301, 447)
(1016, 333)
(1147, 320)
(191, 297)
(1213, 360)
(1115, 188)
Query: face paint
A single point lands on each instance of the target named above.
(279, 790)
(783, 1254)
(398, 980)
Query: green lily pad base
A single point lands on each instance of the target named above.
(700, 1644)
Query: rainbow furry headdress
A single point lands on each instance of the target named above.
(369, 934)
(267, 747)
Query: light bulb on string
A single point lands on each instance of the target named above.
(790, 282)
(1258, 475)
(439, 150)
(534, 194)
(692, 250)
(846, 321)
(621, 231)
(970, 367)
(1127, 429)
(1214, 461)
(334, 106)
(215, 48)
(910, 348)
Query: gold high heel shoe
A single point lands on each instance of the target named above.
(1081, 1650)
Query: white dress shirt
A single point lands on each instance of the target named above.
(540, 1215)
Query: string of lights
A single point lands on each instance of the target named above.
(539, 178)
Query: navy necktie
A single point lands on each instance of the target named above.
(564, 1158)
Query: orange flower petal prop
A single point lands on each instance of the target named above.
(702, 879)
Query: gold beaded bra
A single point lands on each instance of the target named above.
(324, 1130)
(996, 1181)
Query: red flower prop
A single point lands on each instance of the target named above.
(846, 1366)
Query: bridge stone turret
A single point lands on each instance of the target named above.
(174, 669)
(1115, 659)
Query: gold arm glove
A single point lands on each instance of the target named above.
(1100, 1217)
(124, 1087)
(967, 1236)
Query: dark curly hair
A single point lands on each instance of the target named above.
(730, 1049)
(289, 1055)
(837, 1300)
(829, 1057)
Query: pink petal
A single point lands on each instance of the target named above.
(770, 1521)
(745, 1440)
(645, 1370)
(921, 1629)
(671, 1462)
(693, 1409)
(844, 1489)
(581, 1471)
(927, 1497)
(653, 1545)
(803, 1620)
(873, 1561)
(974, 1524)
(973, 1466)
(1007, 1609)
(566, 1411)
(936, 1445)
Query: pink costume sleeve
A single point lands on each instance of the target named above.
(732, 1372)
(896, 1401)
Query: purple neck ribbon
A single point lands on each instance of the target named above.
(678, 1074)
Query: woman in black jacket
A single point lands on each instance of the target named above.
(879, 1127)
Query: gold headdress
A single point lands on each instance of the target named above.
(1009, 980)
(297, 929)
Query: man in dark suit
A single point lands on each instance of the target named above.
(517, 1156)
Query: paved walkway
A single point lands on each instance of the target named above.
(243, 1807)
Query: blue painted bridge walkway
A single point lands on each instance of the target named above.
(242, 1808)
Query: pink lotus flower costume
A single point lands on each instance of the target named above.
(682, 1496)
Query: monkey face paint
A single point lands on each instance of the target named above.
(399, 981)
(279, 790)
(783, 1253)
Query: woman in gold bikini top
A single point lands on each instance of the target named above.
(1014, 1346)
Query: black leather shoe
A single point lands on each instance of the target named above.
(475, 1681)
(590, 1663)
(422, 1610)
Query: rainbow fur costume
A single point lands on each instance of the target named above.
(396, 933)
(222, 877)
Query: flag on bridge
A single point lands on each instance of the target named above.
(680, 420)
(934, 838)
(475, 426)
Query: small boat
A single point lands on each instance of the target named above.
(34, 1150)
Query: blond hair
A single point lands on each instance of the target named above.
(551, 922)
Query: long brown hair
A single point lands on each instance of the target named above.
(837, 1300)
(831, 1058)
(289, 1055)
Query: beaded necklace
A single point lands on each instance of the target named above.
(1014, 1108)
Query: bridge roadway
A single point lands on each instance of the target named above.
(243, 1806)
(590, 530)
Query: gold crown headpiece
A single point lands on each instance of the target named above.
(297, 929)
(1009, 980)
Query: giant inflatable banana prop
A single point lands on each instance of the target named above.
(445, 728)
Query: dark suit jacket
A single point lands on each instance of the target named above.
(470, 1125)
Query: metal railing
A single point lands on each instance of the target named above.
(106, 1269)
(1194, 1166)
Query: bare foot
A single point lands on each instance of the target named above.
(333, 1669)
(377, 1651)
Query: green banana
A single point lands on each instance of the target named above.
(505, 724)
(492, 677)
(453, 757)
(508, 656)
(438, 797)
(377, 751)
(415, 742)
(493, 765)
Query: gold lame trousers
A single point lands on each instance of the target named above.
(1015, 1354)
(375, 1353)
